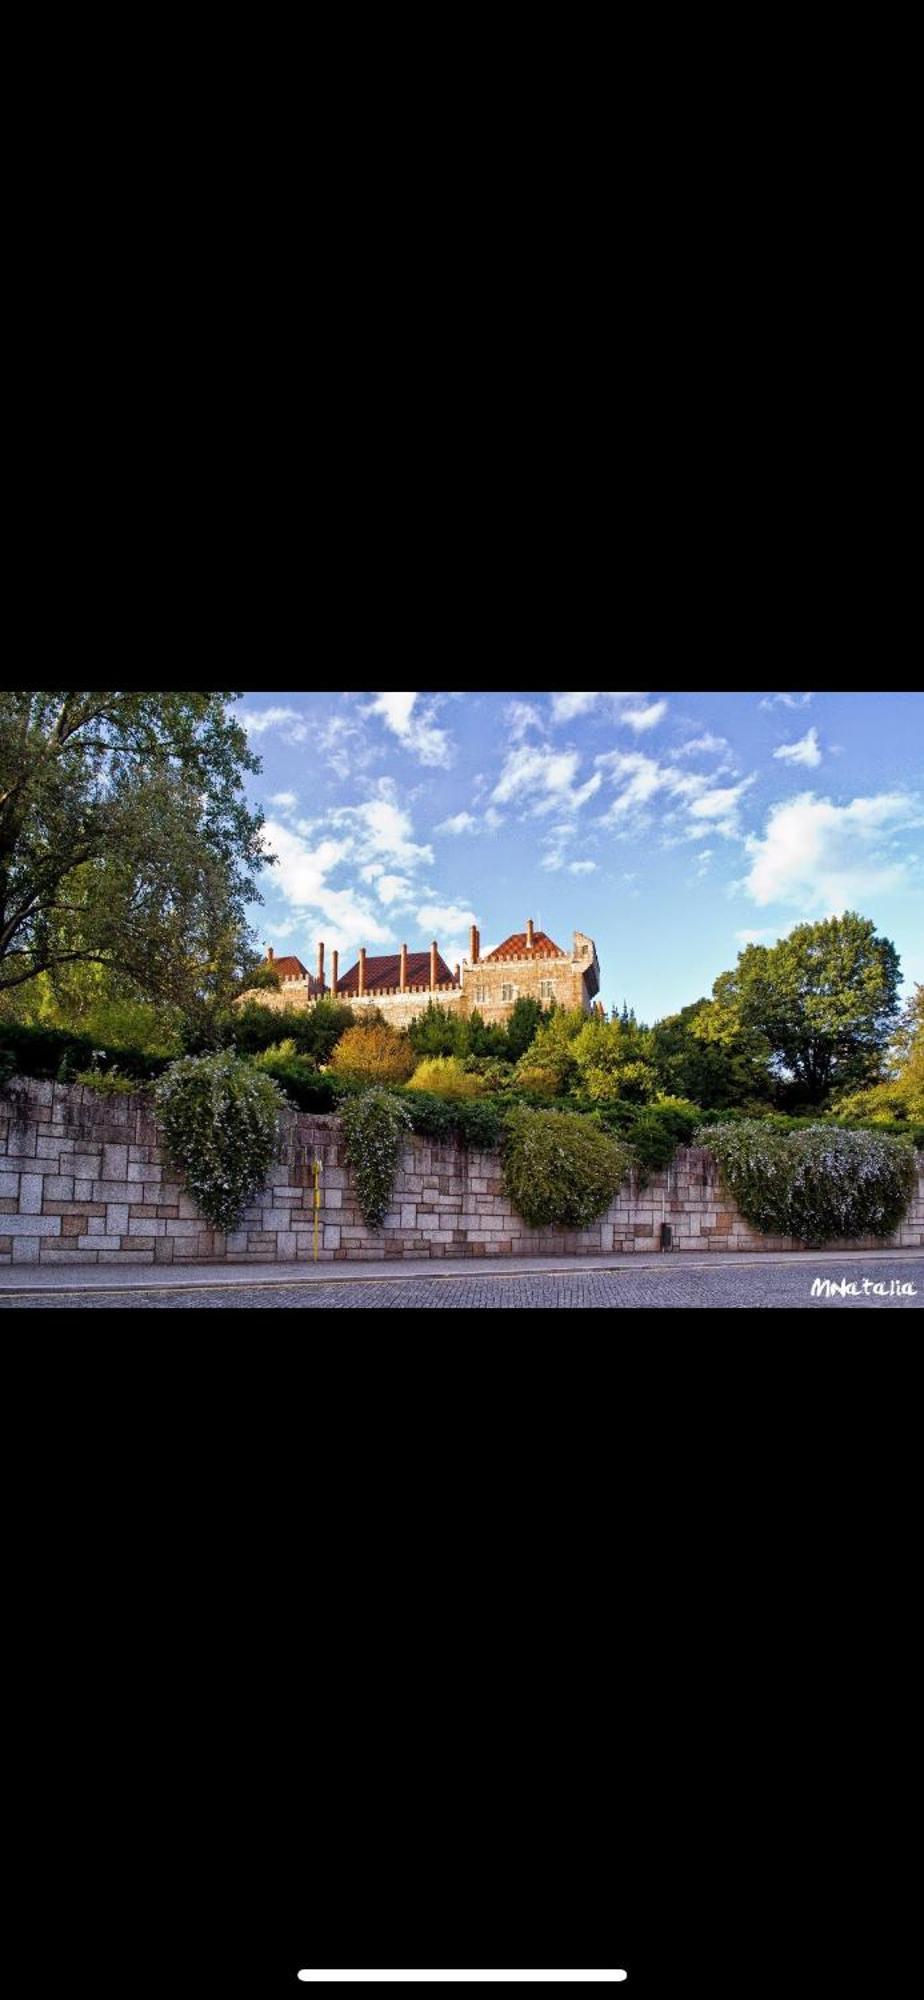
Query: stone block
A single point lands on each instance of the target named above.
(26, 1250)
(286, 1245)
(141, 1225)
(117, 1217)
(31, 1225)
(163, 1250)
(9, 1185)
(58, 1187)
(115, 1162)
(114, 1191)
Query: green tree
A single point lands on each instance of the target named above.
(438, 1031)
(825, 999)
(901, 1094)
(126, 840)
(613, 1060)
(523, 1023)
(704, 1055)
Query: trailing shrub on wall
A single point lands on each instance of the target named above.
(221, 1125)
(560, 1169)
(375, 1127)
(815, 1183)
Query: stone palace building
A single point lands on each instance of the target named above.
(527, 965)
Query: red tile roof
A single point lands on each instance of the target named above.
(287, 968)
(515, 947)
(384, 973)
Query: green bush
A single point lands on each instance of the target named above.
(478, 1123)
(315, 1031)
(815, 1183)
(109, 1083)
(302, 1084)
(654, 1131)
(221, 1126)
(375, 1126)
(445, 1076)
(561, 1170)
(57, 1053)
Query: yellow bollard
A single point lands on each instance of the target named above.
(317, 1202)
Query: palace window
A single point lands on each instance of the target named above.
(546, 989)
(481, 996)
(508, 993)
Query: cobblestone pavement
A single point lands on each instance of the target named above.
(751, 1286)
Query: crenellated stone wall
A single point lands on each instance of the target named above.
(82, 1180)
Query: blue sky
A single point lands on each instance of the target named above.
(673, 828)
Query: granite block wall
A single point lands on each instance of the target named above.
(82, 1180)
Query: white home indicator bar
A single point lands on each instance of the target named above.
(396, 1978)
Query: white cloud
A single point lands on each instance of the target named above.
(285, 800)
(644, 718)
(787, 700)
(436, 917)
(384, 827)
(718, 808)
(707, 744)
(546, 779)
(830, 857)
(581, 867)
(461, 822)
(393, 888)
(521, 716)
(758, 936)
(640, 779)
(566, 706)
(257, 721)
(301, 876)
(344, 743)
(414, 727)
(493, 819)
(806, 751)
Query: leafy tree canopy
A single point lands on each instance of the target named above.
(825, 999)
(126, 840)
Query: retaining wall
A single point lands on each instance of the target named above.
(82, 1180)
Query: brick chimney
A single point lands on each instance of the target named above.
(473, 946)
(433, 949)
(362, 969)
(457, 976)
(529, 933)
(321, 967)
(269, 953)
(335, 968)
(404, 968)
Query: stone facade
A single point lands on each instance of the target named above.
(527, 965)
(82, 1181)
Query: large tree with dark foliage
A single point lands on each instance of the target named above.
(126, 839)
(825, 998)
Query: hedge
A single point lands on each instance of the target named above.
(58, 1053)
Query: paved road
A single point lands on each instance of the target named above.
(749, 1285)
